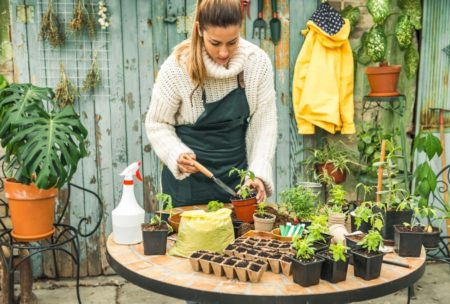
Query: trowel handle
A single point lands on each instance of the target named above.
(199, 167)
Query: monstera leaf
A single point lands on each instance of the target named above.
(379, 9)
(50, 145)
(13, 102)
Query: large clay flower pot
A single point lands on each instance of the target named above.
(31, 210)
(244, 209)
(383, 80)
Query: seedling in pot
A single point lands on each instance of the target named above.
(154, 236)
(306, 266)
(334, 268)
(367, 260)
(244, 190)
(165, 201)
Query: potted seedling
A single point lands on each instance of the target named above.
(368, 259)
(154, 236)
(43, 145)
(306, 267)
(394, 205)
(299, 203)
(245, 204)
(263, 221)
(166, 206)
(334, 267)
(214, 206)
(316, 235)
(425, 182)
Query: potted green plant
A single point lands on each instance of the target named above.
(368, 259)
(43, 146)
(374, 43)
(214, 206)
(335, 265)
(395, 203)
(263, 221)
(425, 182)
(245, 204)
(306, 267)
(329, 161)
(154, 236)
(299, 203)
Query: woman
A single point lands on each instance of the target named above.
(214, 102)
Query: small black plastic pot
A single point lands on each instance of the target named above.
(431, 239)
(392, 218)
(407, 243)
(237, 227)
(367, 267)
(307, 273)
(333, 271)
(154, 242)
(320, 246)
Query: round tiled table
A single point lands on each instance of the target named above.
(173, 276)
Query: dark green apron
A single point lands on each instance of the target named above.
(218, 140)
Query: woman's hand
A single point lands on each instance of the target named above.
(258, 185)
(185, 164)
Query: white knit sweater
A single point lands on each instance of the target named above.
(171, 106)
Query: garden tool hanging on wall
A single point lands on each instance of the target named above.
(259, 25)
(275, 24)
(245, 8)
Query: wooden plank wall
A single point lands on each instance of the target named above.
(138, 41)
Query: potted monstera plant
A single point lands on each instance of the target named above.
(43, 145)
(374, 46)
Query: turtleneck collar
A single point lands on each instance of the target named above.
(235, 66)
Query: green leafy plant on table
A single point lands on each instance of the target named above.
(261, 209)
(156, 221)
(372, 241)
(214, 206)
(338, 251)
(165, 201)
(299, 202)
(364, 213)
(304, 248)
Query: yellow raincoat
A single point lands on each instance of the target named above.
(323, 82)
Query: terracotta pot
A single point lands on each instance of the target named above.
(338, 175)
(383, 80)
(174, 221)
(244, 209)
(277, 236)
(264, 224)
(31, 210)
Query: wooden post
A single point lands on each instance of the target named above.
(380, 170)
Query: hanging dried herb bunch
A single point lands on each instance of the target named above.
(80, 16)
(65, 91)
(51, 28)
(103, 19)
(91, 21)
(93, 78)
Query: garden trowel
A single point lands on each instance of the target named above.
(209, 174)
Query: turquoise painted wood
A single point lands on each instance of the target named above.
(141, 36)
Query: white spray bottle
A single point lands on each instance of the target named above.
(128, 216)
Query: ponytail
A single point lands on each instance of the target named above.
(221, 13)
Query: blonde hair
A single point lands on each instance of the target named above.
(221, 13)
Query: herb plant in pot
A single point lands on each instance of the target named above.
(335, 265)
(368, 259)
(299, 203)
(244, 205)
(154, 236)
(306, 267)
(374, 47)
(42, 151)
(263, 221)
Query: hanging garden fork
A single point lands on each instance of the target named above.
(259, 25)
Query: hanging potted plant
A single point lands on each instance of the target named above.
(306, 267)
(368, 259)
(154, 236)
(245, 204)
(42, 151)
(335, 265)
(263, 221)
(373, 48)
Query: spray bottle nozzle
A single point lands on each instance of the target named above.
(131, 170)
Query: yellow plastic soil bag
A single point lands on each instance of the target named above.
(200, 230)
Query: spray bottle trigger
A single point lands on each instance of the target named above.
(138, 175)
